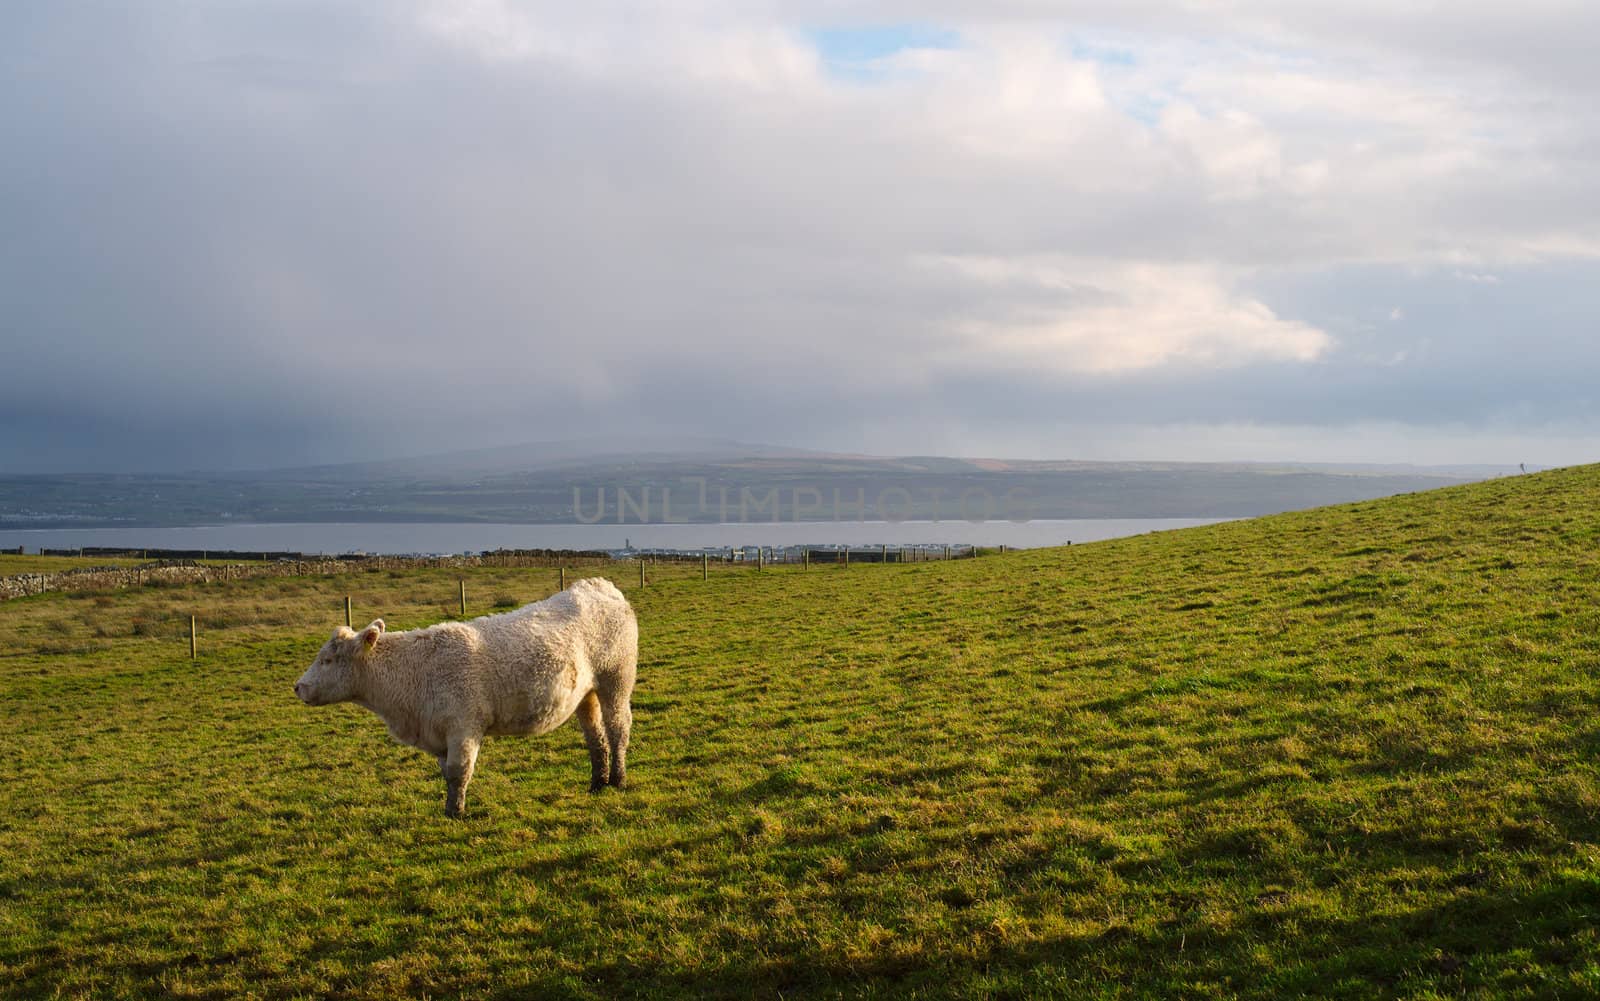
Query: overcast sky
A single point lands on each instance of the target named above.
(247, 234)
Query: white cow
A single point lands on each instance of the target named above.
(444, 688)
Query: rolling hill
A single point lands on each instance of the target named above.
(1348, 752)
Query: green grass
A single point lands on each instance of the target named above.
(1349, 752)
(12, 564)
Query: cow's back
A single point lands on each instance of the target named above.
(606, 621)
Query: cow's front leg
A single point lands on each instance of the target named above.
(457, 768)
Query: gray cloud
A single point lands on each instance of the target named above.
(256, 234)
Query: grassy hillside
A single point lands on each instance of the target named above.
(1349, 752)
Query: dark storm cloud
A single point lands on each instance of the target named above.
(258, 234)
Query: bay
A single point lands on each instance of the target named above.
(440, 538)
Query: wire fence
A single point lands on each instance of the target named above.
(559, 570)
(207, 567)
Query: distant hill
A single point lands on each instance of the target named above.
(701, 480)
(530, 456)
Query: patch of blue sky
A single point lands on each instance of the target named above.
(857, 52)
(1123, 73)
(1145, 108)
(1107, 55)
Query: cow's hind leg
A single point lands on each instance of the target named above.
(619, 723)
(594, 735)
(458, 764)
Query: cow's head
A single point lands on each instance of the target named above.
(332, 676)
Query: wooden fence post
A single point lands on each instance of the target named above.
(462, 583)
(705, 566)
(805, 558)
(884, 556)
(347, 622)
(193, 641)
(563, 579)
(641, 571)
(761, 556)
(846, 555)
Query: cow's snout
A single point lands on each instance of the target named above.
(300, 690)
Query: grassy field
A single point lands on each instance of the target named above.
(12, 564)
(1349, 752)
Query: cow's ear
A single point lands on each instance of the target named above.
(369, 635)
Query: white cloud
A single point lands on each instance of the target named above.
(1087, 317)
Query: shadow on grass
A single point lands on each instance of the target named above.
(1538, 941)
